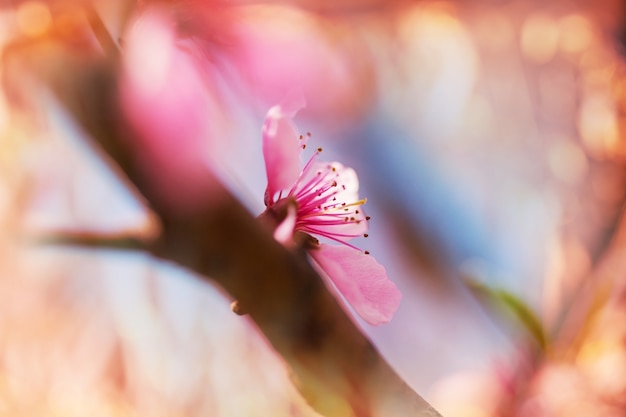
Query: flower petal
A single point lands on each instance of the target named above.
(281, 146)
(173, 111)
(284, 231)
(361, 280)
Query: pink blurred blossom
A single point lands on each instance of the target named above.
(273, 48)
(322, 199)
(281, 48)
(171, 106)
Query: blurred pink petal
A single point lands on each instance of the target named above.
(280, 48)
(171, 110)
(281, 147)
(284, 231)
(361, 280)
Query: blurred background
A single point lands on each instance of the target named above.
(490, 141)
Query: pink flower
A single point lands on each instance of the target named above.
(322, 199)
(173, 111)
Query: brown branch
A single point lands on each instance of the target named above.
(334, 366)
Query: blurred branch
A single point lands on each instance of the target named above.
(100, 31)
(88, 240)
(594, 292)
(334, 366)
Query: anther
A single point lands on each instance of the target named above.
(367, 252)
(304, 146)
(367, 217)
(365, 235)
(319, 149)
(356, 211)
(334, 169)
(335, 184)
(301, 137)
(352, 219)
(308, 134)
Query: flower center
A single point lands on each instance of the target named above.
(327, 201)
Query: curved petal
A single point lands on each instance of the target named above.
(348, 183)
(281, 146)
(361, 280)
(284, 231)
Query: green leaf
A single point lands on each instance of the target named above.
(511, 305)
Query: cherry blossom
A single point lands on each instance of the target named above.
(321, 200)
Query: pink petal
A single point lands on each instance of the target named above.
(281, 146)
(172, 111)
(348, 182)
(279, 48)
(284, 232)
(361, 280)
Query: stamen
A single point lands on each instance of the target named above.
(366, 252)
(367, 217)
(319, 211)
(307, 193)
(357, 203)
(305, 170)
(331, 237)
